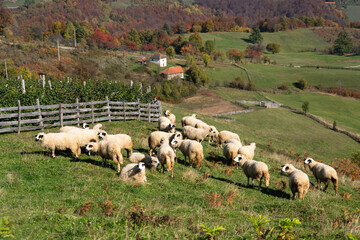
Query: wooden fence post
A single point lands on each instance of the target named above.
(39, 112)
(19, 116)
(77, 112)
(149, 112)
(160, 108)
(124, 110)
(92, 112)
(139, 107)
(61, 115)
(108, 108)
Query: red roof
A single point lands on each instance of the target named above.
(173, 70)
(142, 60)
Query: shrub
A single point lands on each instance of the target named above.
(283, 87)
(238, 83)
(251, 86)
(302, 84)
(273, 47)
(356, 158)
(305, 106)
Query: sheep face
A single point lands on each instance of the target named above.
(238, 158)
(287, 168)
(102, 134)
(174, 143)
(85, 126)
(308, 161)
(141, 166)
(89, 147)
(167, 113)
(155, 162)
(39, 136)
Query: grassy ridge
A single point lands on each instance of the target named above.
(42, 196)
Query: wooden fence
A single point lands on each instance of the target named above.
(41, 116)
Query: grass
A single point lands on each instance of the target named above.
(232, 95)
(353, 12)
(345, 111)
(59, 198)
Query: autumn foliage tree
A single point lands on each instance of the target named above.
(235, 54)
(104, 40)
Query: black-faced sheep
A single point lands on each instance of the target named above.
(166, 156)
(248, 151)
(150, 161)
(254, 170)
(134, 172)
(226, 135)
(68, 128)
(197, 134)
(191, 149)
(323, 173)
(59, 141)
(107, 150)
(298, 180)
(123, 140)
(155, 138)
(165, 125)
(170, 116)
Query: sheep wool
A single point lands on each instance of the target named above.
(170, 116)
(134, 172)
(189, 121)
(230, 151)
(166, 156)
(226, 135)
(124, 140)
(191, 149)
(248, 151)
(155, 138)
(150, 161)
(68, 128)
(298, 180)
(323, 173)
(165, 125)
(197, 134)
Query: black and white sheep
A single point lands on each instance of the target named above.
(197, 134)
(124, 140)
(150, 161)
(155, 138)
(298, 180)
(191, 149)
(134, 172)
(165, 125)
(323, 173)
(170, 116)
(166, 156)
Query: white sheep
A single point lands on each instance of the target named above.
(83, 136)
(166, 156)
(165, 125)
(298, 180)
(230, 151)
(170, 116)
(123, 140)
(155, 138)
(323, 173)
(68, 128)
(197, 134)
(59, 141)
(248, 151)
(134, 172)
(191, 149)
(150, 161)
(254, 170)
(107, 150)
(213, 136)
(234, 141)
(189, 120)
(226, 135)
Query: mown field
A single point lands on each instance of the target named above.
(60, 198)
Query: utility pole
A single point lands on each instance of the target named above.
(58, 49)
(75, 37)
(7, 77)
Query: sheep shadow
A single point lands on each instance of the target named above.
(64, 153)
(218, 159)
(95, 163)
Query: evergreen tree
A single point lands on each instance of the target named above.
(343, 44)
(255, 36)
(167, 29)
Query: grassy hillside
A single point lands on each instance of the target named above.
(353, 12)
(345, 111)
(60, 198)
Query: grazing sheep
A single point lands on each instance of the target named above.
(123, 140)
(226, 135)
(68, 128)
(298, 180)
(84, 136)
(150, 162)
(166, 155)
(213, 137)
(165, 125)
(248, 151)
(230, 151)
(191, 149)
(155, 138)
(170, 116)
(236, 142)
(189, 120)
(323, 173)
(201, 124)
(134, 172)
(254, 170)
(58, 141)
(107, 150)
(197, 134)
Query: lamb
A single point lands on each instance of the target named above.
(166, 155)
(189, 120)
(248, 151)
(107, 150)
(230, 151)
(155, 138)
(254, 170)
(123, 140)
(68, 128)
(59, 141)
(170, 116)
(134, 172)
(150, 162)
(323, 173)
(191, 149)
(226, 135)
(197, 134)
(166, 125)
(298, 180)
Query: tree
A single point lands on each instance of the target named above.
(5, 18)
(167, 29)
(134, 36)
(273, 47)
(343, 44)
(305, 106)
(302, 84)
(197, 76)
(196, 40)
(27, 3)
(235, 54)
(255, 36)
(69, 30)
(206, 59)
(170, 52)
(209, 47)
(189, 60)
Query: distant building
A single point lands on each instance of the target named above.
(159, 59)
(331, 3)
(173, 72)
(142, 61)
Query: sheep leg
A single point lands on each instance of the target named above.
(259, 181)
(326, 185)
(301, 193)
(318, 184)
(334, 181)
(248, 182)
(172, 173)
(53, 153)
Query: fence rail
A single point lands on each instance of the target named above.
(40, 116)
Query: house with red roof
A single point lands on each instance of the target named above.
(173, 72)
(142, 61)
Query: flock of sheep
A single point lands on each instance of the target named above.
(167, 141)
